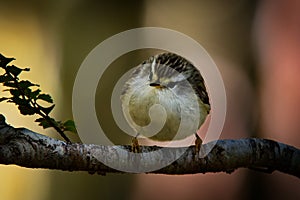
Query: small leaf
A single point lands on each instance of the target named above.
(69, 125)
(26, 109)
(10, 84)
(26, 84)
(6, 78)
(15, 92)
(27, 92)
(14, 70)
(3, 78)
(45, 97)
(3, 99)
(17, 100)
(44, 123)
(4, 61)
(47, 110)
(39, 119)
(34, 94)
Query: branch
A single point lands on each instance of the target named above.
(25, 148)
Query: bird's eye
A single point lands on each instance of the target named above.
(171, 84)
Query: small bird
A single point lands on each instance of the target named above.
(172, 82)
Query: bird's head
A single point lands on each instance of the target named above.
(162, 76)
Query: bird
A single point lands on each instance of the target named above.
(174, 83)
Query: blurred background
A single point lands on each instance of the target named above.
(255, 44)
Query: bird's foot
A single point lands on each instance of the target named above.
(198, 143)
(135, 147)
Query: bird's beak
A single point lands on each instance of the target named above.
(156, 85)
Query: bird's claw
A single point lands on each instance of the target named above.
(198, 143)
(135, 147)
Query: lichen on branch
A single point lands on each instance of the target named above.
(20, 146)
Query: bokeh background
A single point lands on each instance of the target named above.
(256, 45)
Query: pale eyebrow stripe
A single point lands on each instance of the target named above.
(153, 65)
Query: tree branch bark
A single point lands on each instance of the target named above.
(25, 148)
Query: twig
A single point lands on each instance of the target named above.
(29, 149)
